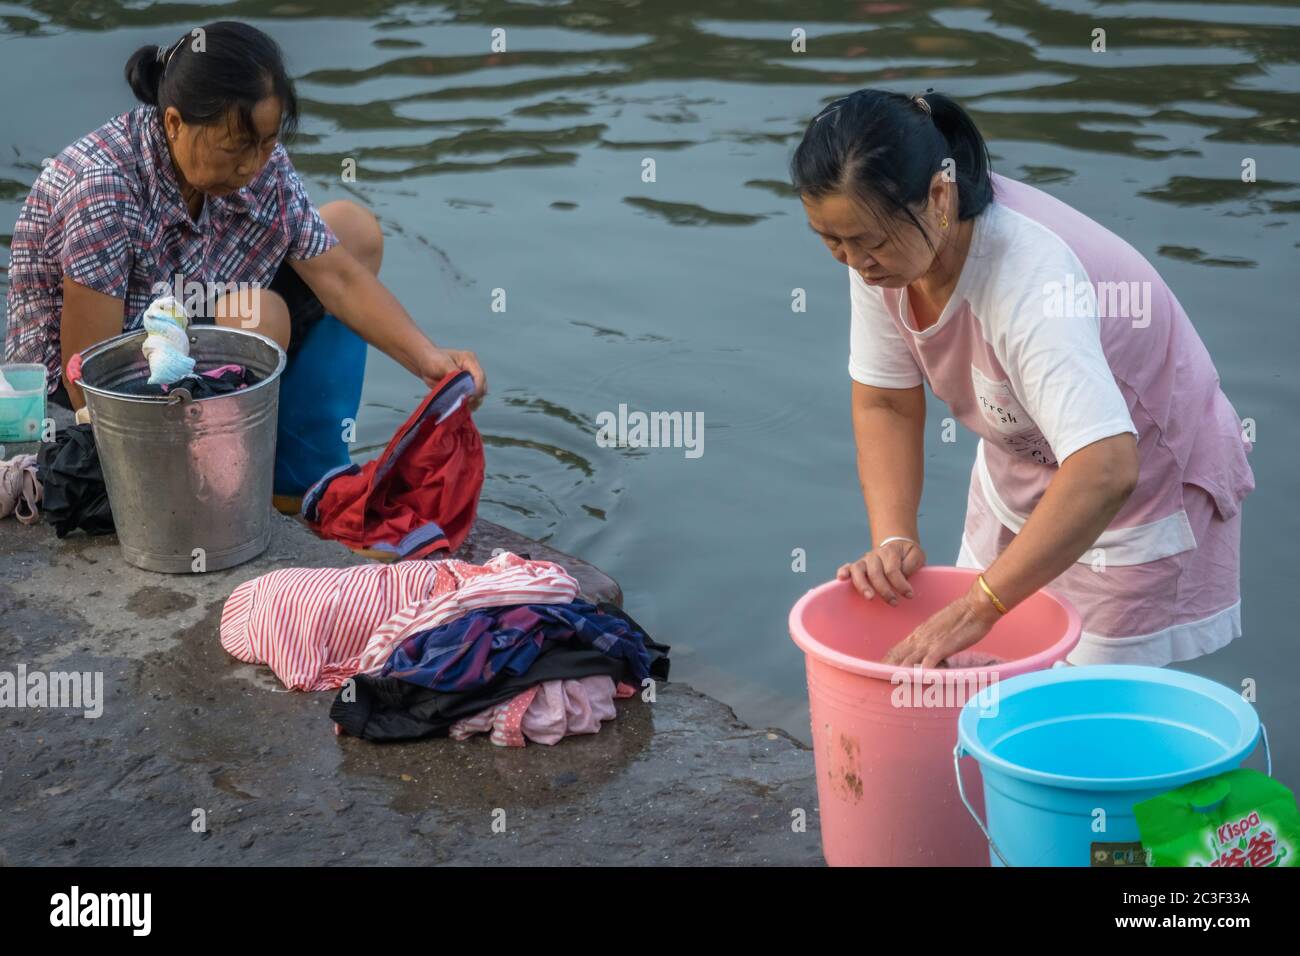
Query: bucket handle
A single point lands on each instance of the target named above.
(961, 792)
(1268, 754)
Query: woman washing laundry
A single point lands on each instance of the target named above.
(1110, 464)
(195, 187)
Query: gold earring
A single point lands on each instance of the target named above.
(943, 223)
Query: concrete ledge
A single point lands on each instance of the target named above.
(186, 728)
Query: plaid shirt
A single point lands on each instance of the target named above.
(107, 213)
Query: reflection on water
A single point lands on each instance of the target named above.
(520, 175)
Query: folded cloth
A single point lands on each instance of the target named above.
(167, 346)
(472, 649)
(547, 713)
(316, 627)
(20, 489)
(420, 495)
(505, 720)
(387, 709)
(72, 483)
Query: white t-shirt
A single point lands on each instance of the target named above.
(1033, 383)
(1059, 334)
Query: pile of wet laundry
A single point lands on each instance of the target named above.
(445, 648)
(63, 482)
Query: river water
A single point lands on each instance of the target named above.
(523, 171)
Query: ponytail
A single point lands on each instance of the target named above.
(969, 152)
(143, 72)
(884, 148)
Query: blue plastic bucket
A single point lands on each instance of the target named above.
(1066, 753)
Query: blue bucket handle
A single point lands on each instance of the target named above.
(961, 792)
(957, 754)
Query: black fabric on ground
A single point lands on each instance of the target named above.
(72, 483)
(388, 709)
(199, 386)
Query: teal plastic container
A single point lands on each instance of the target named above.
(1066, 753)
(23, 410)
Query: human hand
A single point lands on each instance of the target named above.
(951, 629)
(439, 363)
(884, 570)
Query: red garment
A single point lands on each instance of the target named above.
(421, 494)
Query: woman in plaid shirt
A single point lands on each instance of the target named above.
(194, 191)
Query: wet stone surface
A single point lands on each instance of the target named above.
(190, 735)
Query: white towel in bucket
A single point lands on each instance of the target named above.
(167, 346)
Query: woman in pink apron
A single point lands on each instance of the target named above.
(1110, 466)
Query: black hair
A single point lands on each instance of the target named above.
(210, 71)
(884, 148)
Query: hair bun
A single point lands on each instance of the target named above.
(143, 72)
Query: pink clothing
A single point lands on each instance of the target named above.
(316, 627)
(20, 489)
(504, 721)
(1171, 609)
(547, 713)
(1059, 334)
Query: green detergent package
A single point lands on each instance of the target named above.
(1238, 818)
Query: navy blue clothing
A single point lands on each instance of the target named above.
(473, 649)
(386, 708)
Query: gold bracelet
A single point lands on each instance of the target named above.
(1002, 609)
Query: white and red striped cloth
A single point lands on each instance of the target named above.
(316, 627)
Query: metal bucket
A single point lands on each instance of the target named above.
(189, 480)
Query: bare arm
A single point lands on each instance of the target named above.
(352, 292)
(889, 430)
(88, 318)
(1085, 494)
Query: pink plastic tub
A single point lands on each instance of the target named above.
(883, 737)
